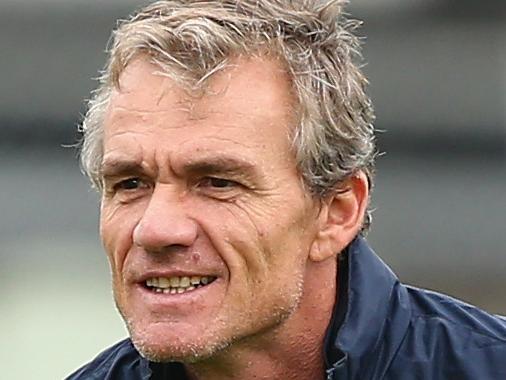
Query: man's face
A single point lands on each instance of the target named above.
(204, 218)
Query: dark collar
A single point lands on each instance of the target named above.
(370, 318)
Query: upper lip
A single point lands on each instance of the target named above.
(176, 273)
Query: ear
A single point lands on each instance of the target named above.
(341, 217)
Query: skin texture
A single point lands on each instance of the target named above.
(209, 186)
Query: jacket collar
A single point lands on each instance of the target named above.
(370, 318)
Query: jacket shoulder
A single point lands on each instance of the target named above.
(120, 361)
(449, 339)
(426, 305)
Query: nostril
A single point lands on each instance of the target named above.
(175, 248)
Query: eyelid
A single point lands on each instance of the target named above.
(231, 182)
(125, 180)
(114, 185)
(223, 193)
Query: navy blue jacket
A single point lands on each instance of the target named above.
(380, 329)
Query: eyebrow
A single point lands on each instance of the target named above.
(215, 165)
(220, 165)
(117, 166)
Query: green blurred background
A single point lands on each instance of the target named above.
(438, 79)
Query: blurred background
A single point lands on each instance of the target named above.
(438, 79)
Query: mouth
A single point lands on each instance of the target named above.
(177, 284)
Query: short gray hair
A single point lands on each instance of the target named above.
(191, 40)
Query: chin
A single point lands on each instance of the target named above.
(162, 343)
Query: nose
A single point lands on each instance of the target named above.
(165, 223)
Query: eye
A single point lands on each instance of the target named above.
(129, 184)
(219, 183)
(219, 188)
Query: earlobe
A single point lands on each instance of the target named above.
(341, 217)
(322, 247)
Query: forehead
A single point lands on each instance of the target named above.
(257, 86)
(250, 102)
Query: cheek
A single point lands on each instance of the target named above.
(245, 232)
(256, 241)
(116, 229)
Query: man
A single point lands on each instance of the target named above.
(233, 146)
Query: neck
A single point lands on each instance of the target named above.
(292, 350)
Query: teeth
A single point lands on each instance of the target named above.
(174, 282)
(152, 282)
(163, 282)
(177, 285)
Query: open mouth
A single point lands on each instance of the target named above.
(177, 285)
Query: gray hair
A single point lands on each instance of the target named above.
(192, 40)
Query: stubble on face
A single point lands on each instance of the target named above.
(261, 236)
(213, 342)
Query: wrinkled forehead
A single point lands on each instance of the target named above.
(247, 105)
(254, 86)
